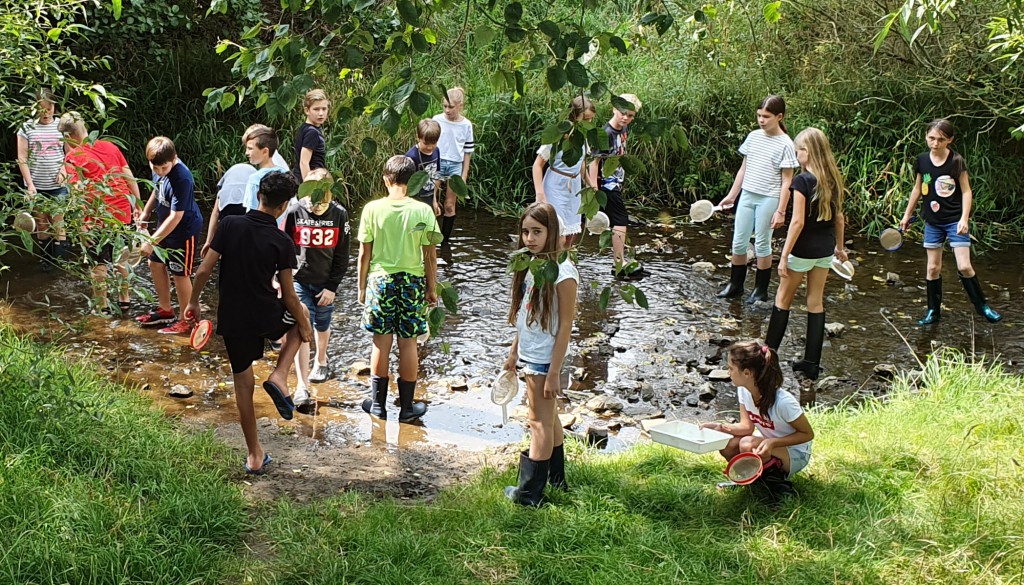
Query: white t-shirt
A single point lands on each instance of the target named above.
(279, 161)
(45, 153)
(785, 410)
(766, 157)
(231, 188)
(456, 138)
(536, 343)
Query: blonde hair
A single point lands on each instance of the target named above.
(429, 131)
(456, 96)
(633, 100)
(313, 96)
(71, 123)
(252, 129)
(160, 150)
(831, 187)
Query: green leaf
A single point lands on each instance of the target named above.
(606, 296)
(117, 9)
(458, 186)
(641, 299)
(390, 120)
(515, 34)
(286, 96)
(550, 29)
(409, 12)
(213, 99)
(577, 74)
(681, 140)
(605, 240)
(626, 293)
(435, 320)
(550, 271)
(252, 31)
(449, 296)
(556, 77)
(618, 44)
(772, 12)
(419, 227)
(419, 102)
(368, 147)
(649, 18)
(610, 165)
(419, 42)
(622, 105)
(664, 23)
(227, 101)
(597, 90)
(513, 13)
(551, 134)
(417, 181)
(402, 94)
(483, 35)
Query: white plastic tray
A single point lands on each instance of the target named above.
(689, 437)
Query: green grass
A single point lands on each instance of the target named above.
(921, 488)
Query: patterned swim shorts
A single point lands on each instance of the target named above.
(396, 304)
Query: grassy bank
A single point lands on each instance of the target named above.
(922, 488)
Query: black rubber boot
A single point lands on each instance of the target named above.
(533, 476)
(735, 288)
(46, 254)
(776, 485)
(810, 366)
(761, 280)
(410, 410)
(934, 302)
(447, 225)
(556, 470)
(974, 292)
(776, 328)
(377, 404)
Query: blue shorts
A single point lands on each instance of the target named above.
(798, 459)
(532, 369)
(935, 236)
(319, 315)
(60, 193)
(450, 168)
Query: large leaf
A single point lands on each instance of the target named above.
(551, 134)
(550, 29)
(483, 35)
(458, 186)
(513, 13)
(449, 296)
(606, 296)
(577, 74)
(368, 147)
(409, 12)
(419, 102)
(417, 181)
(555, 77)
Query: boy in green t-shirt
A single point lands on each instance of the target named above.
(397, 277)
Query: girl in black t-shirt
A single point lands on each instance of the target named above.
(942, 180)
(815, 235)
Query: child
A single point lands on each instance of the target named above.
(561, 184)
(426, 156)
(40, 158)
(456, 144)
(230, 197)
(397, 278)
(101, 169)
(179, 222)
(785, 442)
(320, 232)
(261, 142)
(942, 179)
(543, 317)
(764, 179)
(611, 183)
(816, 232)
(252, 252)
(310, 146)
(276, 157)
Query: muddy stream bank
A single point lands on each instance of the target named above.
(625, 366)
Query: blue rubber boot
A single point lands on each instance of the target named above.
(934, 302)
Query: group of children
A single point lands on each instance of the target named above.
(282, 259)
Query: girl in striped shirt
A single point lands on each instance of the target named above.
(764, 179)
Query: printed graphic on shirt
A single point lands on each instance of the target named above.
(945, 186)
(925, 181)
(764, 422)
(316, 237)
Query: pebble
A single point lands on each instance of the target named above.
(704, 268)
(360, 368)
(179, 391)
(893, 278)
(885, 371)
(603, 403)
(566, 420)
(835, 329)
(826, 383)
(719, 375)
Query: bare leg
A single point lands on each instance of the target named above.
(99, 286)
(542, 419)
(182, 286)
(788, 286)
(286, 356)
(302, 364)
(816, 290)
(408, 359)
(124, 293)
(162, 282)
(244, 383)
(739, 259)
(619, 243)
(747, 444)
(963, 261)
(321, 346)
(934, 266)
(764, 263)
(380, 355)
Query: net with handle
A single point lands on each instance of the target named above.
(24, 222)
(845, 270)
(598, 224)
(701, 211)
(744, 468)
(503, 390)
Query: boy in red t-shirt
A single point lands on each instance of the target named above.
(100, 169)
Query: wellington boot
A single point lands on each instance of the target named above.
(810, 366)
(735, 288)
(410, 410)
(776, 328)
(376, 405)
(934, 302)
(533, 476)
(974, 292)
(447, 226)
(761, 280)
(556, 471)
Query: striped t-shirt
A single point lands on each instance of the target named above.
(766, 157)
(45, 153)
(456, 138)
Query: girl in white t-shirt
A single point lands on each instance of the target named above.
(763, 179)
(559, 183)
(542, 312)
(785, 433)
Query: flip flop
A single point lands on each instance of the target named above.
(263, 468)
(284, 404)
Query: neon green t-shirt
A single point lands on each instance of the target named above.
(398, 228)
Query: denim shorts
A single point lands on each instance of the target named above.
(532, 369)
(320, 316)
(936, 235)
(807, 264)
(60, 193)
(450, 168)
(798, 459)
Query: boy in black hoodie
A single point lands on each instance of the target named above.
(321, 235)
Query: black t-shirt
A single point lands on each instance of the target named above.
(940, 186)
(431, 164)
(818, 238)
(253, 250)
(616, 147)
(311, 137)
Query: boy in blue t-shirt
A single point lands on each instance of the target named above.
(179, 223)
(427, 157)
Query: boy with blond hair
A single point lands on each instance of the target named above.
(456, 145)
(310, 145)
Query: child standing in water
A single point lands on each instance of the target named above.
(310, 145)
(942, 179)
(785, 442)
(815, 234)
(561, 184)
(764, 179)
(543, 315)
(456, 145)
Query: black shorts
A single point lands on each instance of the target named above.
(244, 350)
(180, 257)
(231, 209)
(615, 208)
(104, 255)
(428, 199)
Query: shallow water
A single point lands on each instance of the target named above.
(653, 359)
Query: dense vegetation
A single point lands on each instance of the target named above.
(700, 70)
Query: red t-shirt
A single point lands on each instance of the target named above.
(102, 162)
